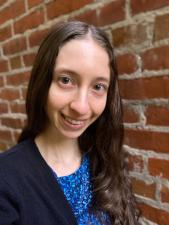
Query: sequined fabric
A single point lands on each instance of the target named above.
(78, 191)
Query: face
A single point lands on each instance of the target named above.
(78, 92)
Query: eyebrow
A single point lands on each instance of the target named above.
(74, 73)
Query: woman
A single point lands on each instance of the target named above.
(68, 167)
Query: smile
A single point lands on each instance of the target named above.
(73, 121)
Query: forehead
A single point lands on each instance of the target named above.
(83, 55)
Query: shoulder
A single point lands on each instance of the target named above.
(16, 152)
(15, 159)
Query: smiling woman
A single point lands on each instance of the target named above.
(82, 88)
(70, 162)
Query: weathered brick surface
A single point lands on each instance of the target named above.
(139, 31)
(3, 66)
(36, 37)
(158, 167)
(15, 62)
(9, 94)
(30, 21)
(3, 108)
(5, 135)
(57, 8)
(161, 27)
(156, 215)
(130, 116)
(5, 32)
(15, 9)
(14, 46)
(148, 140)
(126, 63)
(18, 79)
(165, 194)
(156, 59)
(12, 123)
(109, 13)
(1, 81)
(29, 59)
(138, 6)
(143, 189)
(128, 35)
(157, 115)
(17, 107)
(145, 88)
(32, 3)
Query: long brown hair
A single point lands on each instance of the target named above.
(103, 139)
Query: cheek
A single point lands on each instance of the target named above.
(99, 106)
(55, 99)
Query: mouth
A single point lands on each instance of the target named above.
(73, 121)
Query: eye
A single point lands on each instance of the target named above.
(66, 81)
(100, 87)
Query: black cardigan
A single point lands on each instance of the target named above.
(29, 192)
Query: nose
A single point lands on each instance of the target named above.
(80, 103)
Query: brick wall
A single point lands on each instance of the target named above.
(139, 30)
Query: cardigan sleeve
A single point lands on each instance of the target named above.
(8, 205)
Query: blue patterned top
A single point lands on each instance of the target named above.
(78, 191)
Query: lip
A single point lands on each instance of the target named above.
(71, 123)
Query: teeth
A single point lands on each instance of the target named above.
(74, 122)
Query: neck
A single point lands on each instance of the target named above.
(60, 149)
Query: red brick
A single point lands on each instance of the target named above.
(5, 33)
(30, 21)
(3, 108)
(3, 66)
(18, 79)
(2, 2)
(138, 6)
(143, 189)
(9, 94)
(158, 167)
(14, 46)
(128, 35)
(90, 17)
(29, 59)
(32, 3)
(3, 145)
(17, 107)
(112, 12)
(126, 63)
(5, 135)
(156, 215)
(145, 88)
(156, 59)
(15, 9)
(6, 14)
(15, 62)
(1, 81)
(148, 140)
(57, 8)
(157, 115)
(12, 122)
(36, 37)
(165, 194)
(109, 13)
(135, 163)
(130, 116)
(161, 30)
(24, 92)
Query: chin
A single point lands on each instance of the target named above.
(72, 134)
